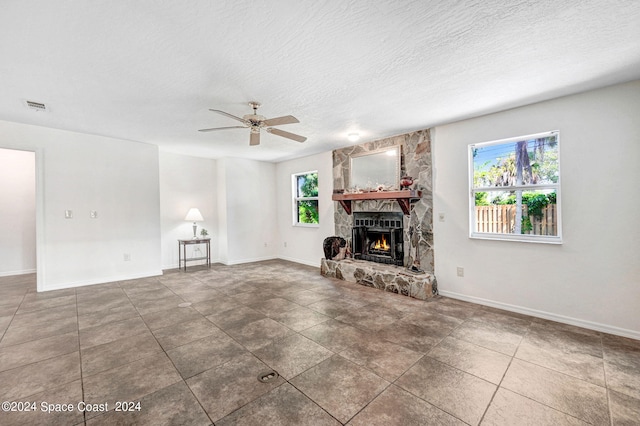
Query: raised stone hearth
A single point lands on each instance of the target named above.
(390, 278)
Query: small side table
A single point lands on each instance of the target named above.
(182, 251)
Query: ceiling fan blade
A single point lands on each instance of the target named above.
(287, 135)
(222, 128)
(227, 114)
(254, 139)
(286, 119)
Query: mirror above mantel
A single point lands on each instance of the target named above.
(373, 168)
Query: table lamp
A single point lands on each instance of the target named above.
(195, 216)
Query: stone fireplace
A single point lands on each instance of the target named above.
(415, 162)
(409, 236)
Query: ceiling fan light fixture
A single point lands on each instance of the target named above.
(353, 137)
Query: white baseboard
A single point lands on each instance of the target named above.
(103, 280)
(175, 265)
(255, 259)
(21, 272)
(237, 262)
(315, 264)
(545, 315)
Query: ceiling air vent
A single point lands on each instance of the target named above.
(36, 106)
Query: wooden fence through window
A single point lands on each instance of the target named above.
(500, 219)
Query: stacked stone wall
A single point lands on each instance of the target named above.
(415, 162)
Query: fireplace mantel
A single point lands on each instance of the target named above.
(403, 198)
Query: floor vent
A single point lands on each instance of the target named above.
(267, 376)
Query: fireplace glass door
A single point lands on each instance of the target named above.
(377, 237)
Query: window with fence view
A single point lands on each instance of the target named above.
(515, 189)
(305, 202)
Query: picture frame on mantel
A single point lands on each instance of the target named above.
(371, 168)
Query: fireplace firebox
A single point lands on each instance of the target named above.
(378, 237)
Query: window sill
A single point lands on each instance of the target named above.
(307, 225)
(516, 238)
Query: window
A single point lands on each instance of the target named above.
(515, 189)
(305, 199)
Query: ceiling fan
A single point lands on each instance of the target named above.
(257, 122)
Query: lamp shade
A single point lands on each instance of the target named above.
(194, 215)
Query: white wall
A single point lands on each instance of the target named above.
(186, 182)
(304, 244)
(593, 278)
(17, 212)
(79, 172)
(247, 210)
(221, 198)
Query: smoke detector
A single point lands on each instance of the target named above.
(36, 106)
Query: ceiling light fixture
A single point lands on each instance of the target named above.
(353, 137)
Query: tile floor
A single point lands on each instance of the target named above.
(346, 354)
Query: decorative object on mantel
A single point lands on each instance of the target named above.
(403, 198)
(406, 182)
(415, 266)
(194, 216)
(336, 248)
(381, 187)
(378, 187)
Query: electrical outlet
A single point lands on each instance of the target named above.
(441, 217)
(127, 257)
(93, 214)
(460, 271)
(285, 243)
(68, 214)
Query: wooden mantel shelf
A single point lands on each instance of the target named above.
(403, 198)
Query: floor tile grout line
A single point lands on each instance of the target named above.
(137, 360)
(52, 357)
(561, 372)
(540, 402)
(84, 414)
(495, 392)
(499, 386)
(394, 383)
(39, 360)
(175, 367)
(606, 383)
(426, 355)
(12, 318)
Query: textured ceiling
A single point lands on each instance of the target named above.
(149, 70)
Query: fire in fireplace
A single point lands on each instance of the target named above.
(378, 237)
(379, 244)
